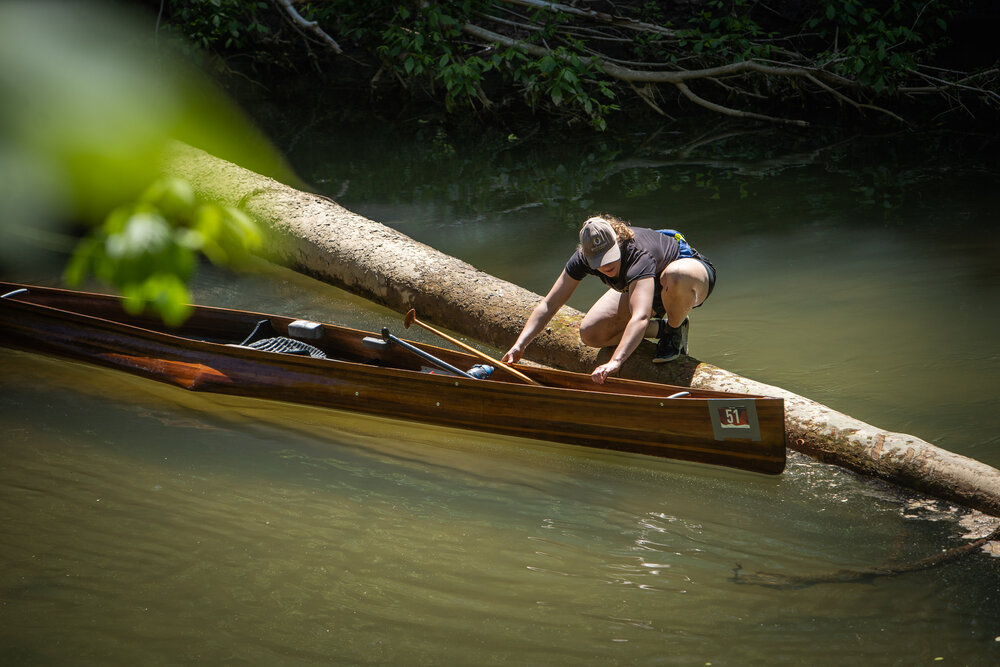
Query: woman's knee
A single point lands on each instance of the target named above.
(593, 333)
(604, 322)
(587, 335)
(600, 331)
(685, 279)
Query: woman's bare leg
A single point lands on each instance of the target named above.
(605, 322)
(684, 285)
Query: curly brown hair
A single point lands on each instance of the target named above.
(621, 227)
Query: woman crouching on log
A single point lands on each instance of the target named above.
(649, 272)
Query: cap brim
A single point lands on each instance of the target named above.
(612, 254)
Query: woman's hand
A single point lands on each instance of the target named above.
(602, 372)
(513, 355)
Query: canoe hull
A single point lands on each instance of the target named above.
(743, 432)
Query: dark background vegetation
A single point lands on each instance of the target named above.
(914, 63)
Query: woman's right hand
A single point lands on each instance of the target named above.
(513, 355)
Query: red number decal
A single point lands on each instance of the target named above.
(733, 417)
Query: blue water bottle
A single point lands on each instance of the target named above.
(481, 371)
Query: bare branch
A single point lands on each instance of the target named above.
(310, 26)
(943, 84)
(857, 105)
(687, 92)
(621, 22)
(648, 99)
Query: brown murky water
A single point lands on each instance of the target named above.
(146, 525)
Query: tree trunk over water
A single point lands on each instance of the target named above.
(316, 236)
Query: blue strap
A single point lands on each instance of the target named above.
(685, 249)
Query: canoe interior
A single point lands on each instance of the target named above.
(202, 354)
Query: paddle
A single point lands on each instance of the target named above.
(411, 318)
(444, 365)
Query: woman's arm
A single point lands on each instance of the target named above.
(640, 300)
(546, 309)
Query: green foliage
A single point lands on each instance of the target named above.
(358, 22)
(148, 249)
(422, 44)
(425, 44)
(220, 25)
(564, 82)
(726, 30)
(876, 43)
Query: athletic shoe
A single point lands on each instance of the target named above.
(673, 342)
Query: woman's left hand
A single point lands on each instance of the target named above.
(602, 372)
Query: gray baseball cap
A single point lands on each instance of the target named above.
(599, 242)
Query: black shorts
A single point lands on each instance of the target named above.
(685, 250)
(658, 308)
(710, 268)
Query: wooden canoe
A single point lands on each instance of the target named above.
(388, 379)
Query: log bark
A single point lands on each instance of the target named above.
(320, 238)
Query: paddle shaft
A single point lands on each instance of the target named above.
(468, 348)
(444, 365)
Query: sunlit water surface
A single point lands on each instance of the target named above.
(146, 525)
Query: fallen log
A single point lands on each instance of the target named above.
(318, 237)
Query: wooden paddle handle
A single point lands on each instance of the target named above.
(411, 318)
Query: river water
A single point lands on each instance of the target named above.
(146, 525)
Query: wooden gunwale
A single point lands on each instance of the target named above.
(622, 415)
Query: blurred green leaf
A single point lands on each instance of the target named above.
(147, 250)
(89, 105)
